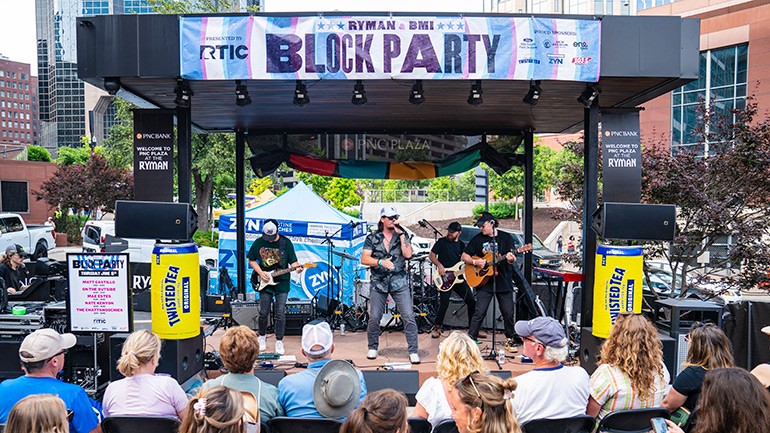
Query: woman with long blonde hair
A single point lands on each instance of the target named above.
(481, 404)
(709, 349)
(631, 373)
(458, 355)
(141, 392)
(38, 413)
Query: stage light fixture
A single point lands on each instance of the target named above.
(589, 94)
(301, 96)
(474, 98)
(183, 94)
(359, 93)
(416, 96)
(242, 97)
(533, 95)
(112, 85)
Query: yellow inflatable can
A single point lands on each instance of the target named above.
(617, 285)
(175, 291)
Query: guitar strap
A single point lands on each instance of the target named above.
(282, 251)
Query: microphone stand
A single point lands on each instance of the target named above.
(436, 233)
(493, 352)
(330, 277)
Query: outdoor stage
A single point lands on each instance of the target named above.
(353, 346)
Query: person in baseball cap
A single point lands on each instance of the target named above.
(484, 217)
(302, 395)
(12, 270)
(551, 390)
(42, 357)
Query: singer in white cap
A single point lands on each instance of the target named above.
(386, 252)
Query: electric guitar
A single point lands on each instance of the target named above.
(479, 275)
(258, 284)
(453, 275)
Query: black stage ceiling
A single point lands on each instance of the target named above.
(642, 58)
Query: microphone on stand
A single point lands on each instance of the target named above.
(354, 224)
(423, 224)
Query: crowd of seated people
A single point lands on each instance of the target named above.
(630, 375)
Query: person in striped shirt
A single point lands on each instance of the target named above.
(631, 374)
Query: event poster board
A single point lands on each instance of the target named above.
(384, 47)
(99, 293)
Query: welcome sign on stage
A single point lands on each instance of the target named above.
(384, 47)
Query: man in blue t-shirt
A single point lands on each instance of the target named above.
(42, 356)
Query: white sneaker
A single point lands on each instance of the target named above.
(262, 343)
(371, 354)
(414, 358)
(279, 347)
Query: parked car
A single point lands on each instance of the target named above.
(140, 250)
(542, 257)
(35, 239)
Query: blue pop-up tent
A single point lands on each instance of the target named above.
(307, 220)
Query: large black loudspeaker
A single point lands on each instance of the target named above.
(590, 348)
(635, 221)
(155, 220)
(457, 313)
(10, 366)
(180, 359)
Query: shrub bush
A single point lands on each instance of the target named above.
(204, 239)
(498, 209)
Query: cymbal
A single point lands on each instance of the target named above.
(344, 255)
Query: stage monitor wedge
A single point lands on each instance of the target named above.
(155, 220)
(635, 221)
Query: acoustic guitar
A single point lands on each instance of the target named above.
(453, 275)
(258, 284)
(479, 275)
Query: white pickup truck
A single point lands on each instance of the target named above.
(36, 240)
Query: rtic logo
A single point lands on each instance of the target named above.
(581, 60)
(583, 45)
(222, 52)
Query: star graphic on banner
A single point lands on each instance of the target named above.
(321, 25)
(341, 26)
(459, 26)
(450, 26)
(440, 26)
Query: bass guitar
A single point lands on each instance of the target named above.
(258, 284)
(479, 275)
(453, 275)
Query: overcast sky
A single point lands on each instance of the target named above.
(17, 31)
(17, 17)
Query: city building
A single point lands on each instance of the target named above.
(18, 107)
(735, 55)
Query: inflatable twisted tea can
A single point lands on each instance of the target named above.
(617, 286)
(175, 291)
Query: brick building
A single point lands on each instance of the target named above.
(18, 107)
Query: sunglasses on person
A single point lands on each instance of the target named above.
(63, 352)
(392, 217)
(469, 378)
(530, 339)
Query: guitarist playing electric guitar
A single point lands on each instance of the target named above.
(446, 254)
(490, 240)
(268, 253)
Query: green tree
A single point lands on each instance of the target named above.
(119, 144)
(38, 153)
(442, 188)
(74, 155)
(319, 184)
(342, 193)
(258, 185)
(212, 155)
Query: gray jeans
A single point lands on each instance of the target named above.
(377, 305)
(279, 312)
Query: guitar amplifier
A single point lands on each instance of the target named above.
(246, 313)
(298, 313)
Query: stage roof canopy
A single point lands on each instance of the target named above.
(641, 58)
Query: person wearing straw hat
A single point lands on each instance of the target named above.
(42, 357)
(762, 371)
(328, 388)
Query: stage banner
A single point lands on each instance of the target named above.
(383, 47)
(621, 157)
(153, 155)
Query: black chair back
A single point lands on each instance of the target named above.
(285, 424)
(631, 420)
(143, 424)
(406, 381)
(578, 424)
(446, 426)
(419, 425)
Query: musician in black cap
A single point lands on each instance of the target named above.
(445, 254)
(500, 283)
